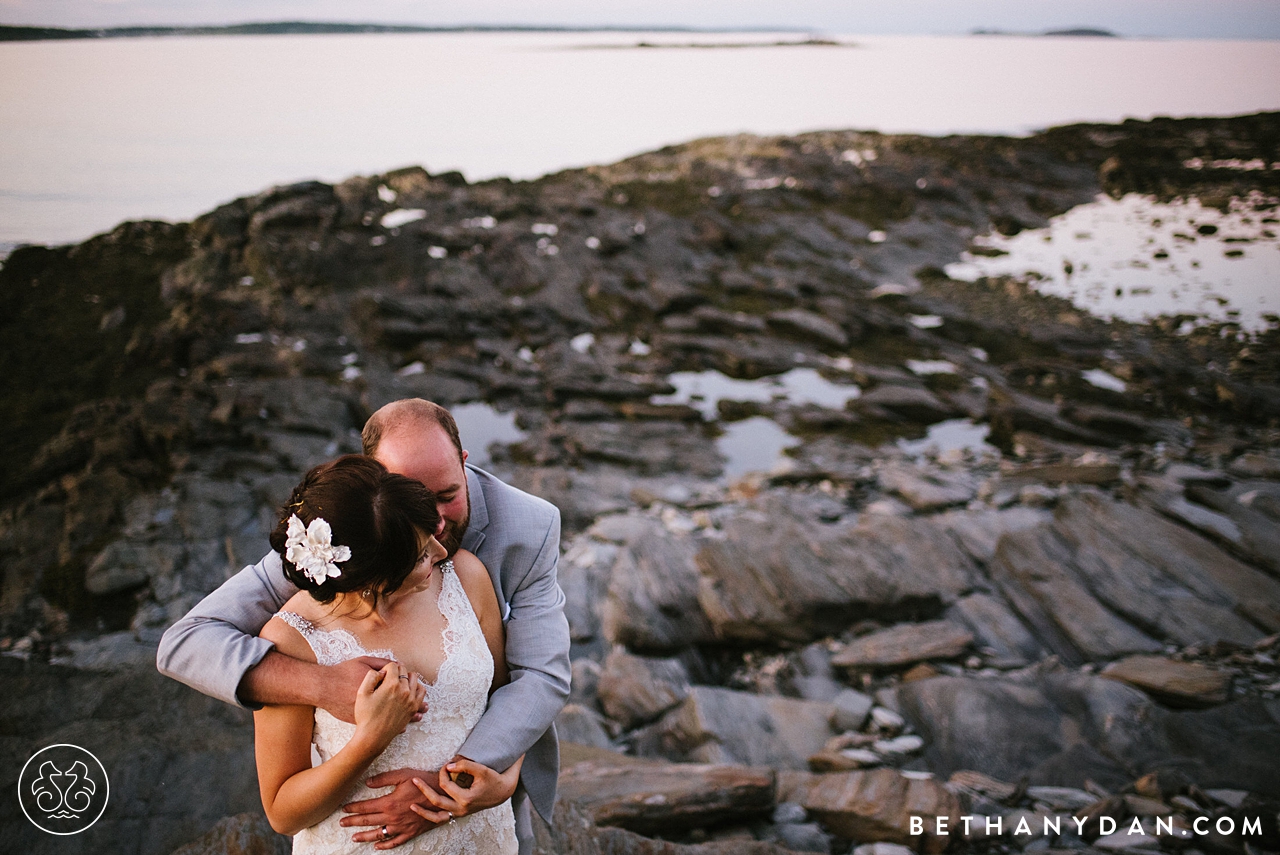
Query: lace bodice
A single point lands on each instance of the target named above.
(455, 702)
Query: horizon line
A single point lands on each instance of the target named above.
(44, 32)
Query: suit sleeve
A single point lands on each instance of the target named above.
(212, 647)
(537, 651)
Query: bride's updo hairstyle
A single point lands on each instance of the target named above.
(375, 513)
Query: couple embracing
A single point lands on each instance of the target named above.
(407, 626)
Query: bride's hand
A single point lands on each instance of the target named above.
(386, 703)
(487, 788)
(337, 693)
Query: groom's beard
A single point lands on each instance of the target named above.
(451, 537)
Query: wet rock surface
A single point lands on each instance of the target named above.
(844, 539)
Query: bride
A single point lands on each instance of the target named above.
(359, 542)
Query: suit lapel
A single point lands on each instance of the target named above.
(473, 540)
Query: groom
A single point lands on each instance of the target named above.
(216, 650)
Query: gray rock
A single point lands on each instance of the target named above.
(851, 710)
(904, 644)
(775, 577)
(911, 402)
(123, 565)
(1034, 571)
(1259, 533)
(1230, 798)
(178, 762)
(1217, 526)
(242, 834)
(583, 574)
(874, 805)
(882, 849)
(1256, 465)
(815, 661)
(635, 689)
(827, 457)
(582, 726)
(1062, 798)
(114, 651)
(789, 813)
(980, 531)
(720, 321)
(898, 746)
(716, 725)
(660, 797)
(1003, 639)
(824, 689)
(1176, 683)
(648, 447)
(1125, 840)
(584, 685)
(652, 602)
(888, 719)
(803, 837)
(1062, 728)
(810, 326)
(574, 831)
(927, 490)
(844, 760)
(585, 496)
(1179, 582)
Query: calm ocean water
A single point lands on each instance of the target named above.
(95, 132)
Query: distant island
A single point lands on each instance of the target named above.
(10, 33)
(809, 42)
(1073, 31)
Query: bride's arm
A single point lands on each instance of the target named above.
(484, 602)
(294, 794)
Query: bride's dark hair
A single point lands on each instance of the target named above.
(377, 514)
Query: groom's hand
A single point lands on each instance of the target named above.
(337, 692)
(486, 788)
(400, 810)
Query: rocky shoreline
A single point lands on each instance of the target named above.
(1075, 611)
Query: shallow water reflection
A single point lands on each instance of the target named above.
(950, 435)
(704, 390)
(480, 426)
(1136, 259)
(754, 445)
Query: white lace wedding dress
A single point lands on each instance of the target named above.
(455, 703)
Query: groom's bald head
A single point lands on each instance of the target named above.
(419, 439)
(412, 415)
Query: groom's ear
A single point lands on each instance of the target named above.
(465, 455)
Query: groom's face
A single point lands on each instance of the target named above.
(429, 456)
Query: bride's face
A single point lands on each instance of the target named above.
(430, 553)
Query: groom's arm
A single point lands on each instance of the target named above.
(216, 643)
(537, 648)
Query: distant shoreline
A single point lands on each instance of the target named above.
(12, 33)
(17, 33)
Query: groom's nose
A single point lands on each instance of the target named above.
(440, 527)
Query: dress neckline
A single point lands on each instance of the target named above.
(305, 627)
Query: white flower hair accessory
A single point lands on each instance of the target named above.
(311, 549)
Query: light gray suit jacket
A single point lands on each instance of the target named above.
(517, 536)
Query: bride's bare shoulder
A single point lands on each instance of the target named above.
(285, 637)
(474, 577)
